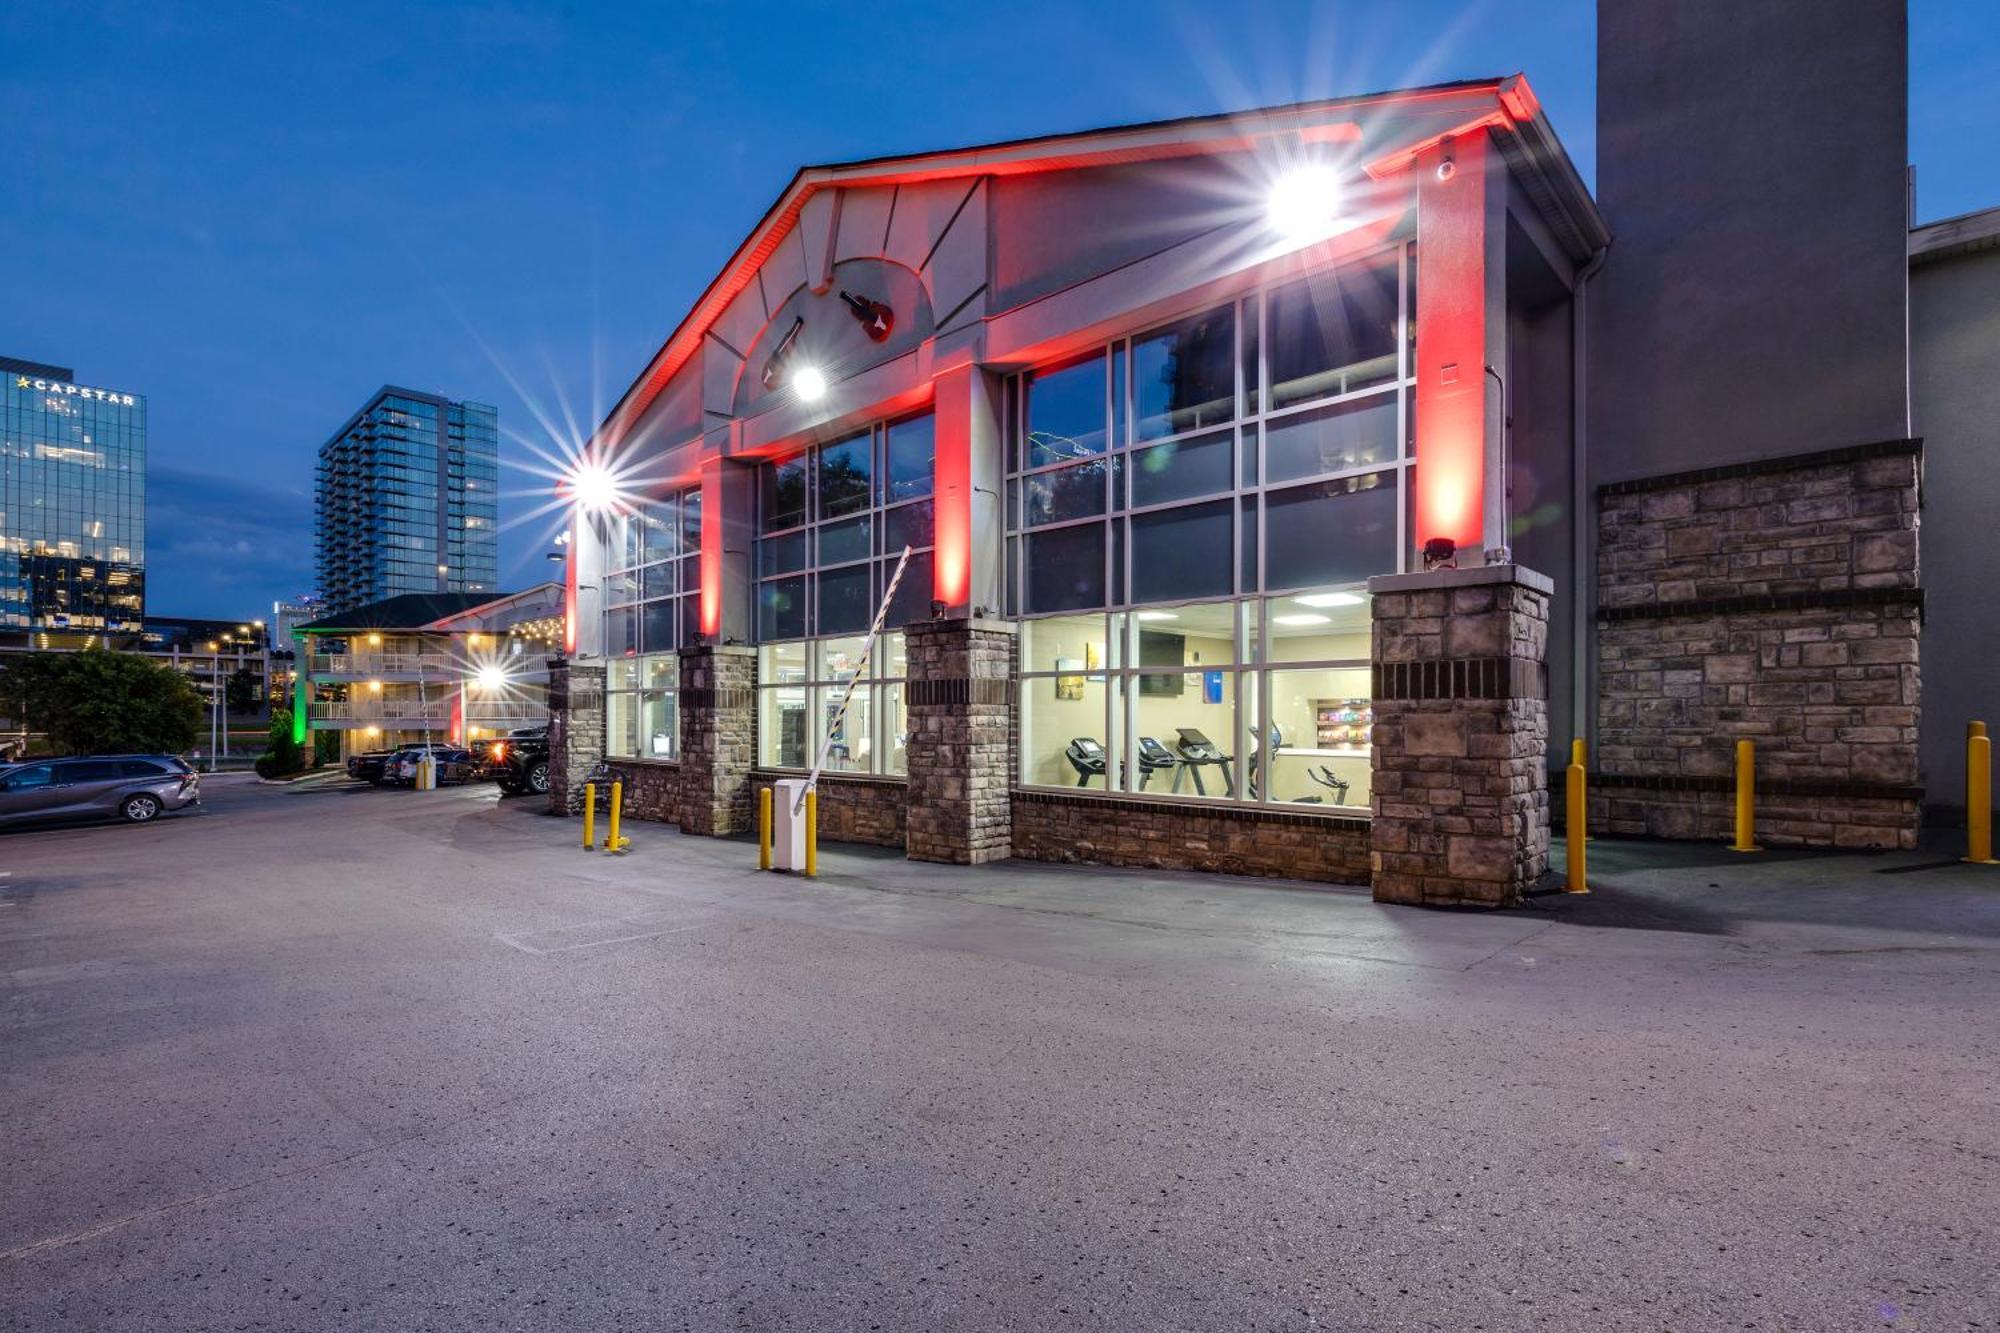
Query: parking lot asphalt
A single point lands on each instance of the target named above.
(356, 1059)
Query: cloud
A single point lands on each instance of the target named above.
(218, 546)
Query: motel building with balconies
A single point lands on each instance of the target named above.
(454, 667)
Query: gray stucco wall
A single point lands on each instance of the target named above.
(1955, 399)
(1751, 167)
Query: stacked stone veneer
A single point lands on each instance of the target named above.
(718, 698)
(576, 730)
(1777, 601)
(853, 807)
(1461, 802)
(1166, 835)
(960, 710)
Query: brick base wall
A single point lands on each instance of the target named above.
(853, 808)
(652, 789)
(1783, 819)
(1172, 835)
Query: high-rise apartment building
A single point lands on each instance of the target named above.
(72, 505)
(408, 500)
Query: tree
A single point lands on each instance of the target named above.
(283, 756)
(239, 692)
(101, 702)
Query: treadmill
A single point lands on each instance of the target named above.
(1086, 756)
(1197, 752)
(1153, 757)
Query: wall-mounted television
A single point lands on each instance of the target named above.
(1158, 648)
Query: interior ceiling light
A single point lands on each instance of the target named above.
(1303, 618)
(808, 384)
(1329, 599)
(1159, 615)
(1304, 203)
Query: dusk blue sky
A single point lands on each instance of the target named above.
(257, 214)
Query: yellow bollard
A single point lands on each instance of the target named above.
(812, 832)
(613, 841)
(1580, 760)
(1979, 797)
(1575, 835)
(1746, 798)
(764, 829)
(590, 816)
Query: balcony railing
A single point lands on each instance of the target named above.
(383, 710)
(387, 664)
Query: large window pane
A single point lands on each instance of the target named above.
(781, 727)
(908, 525)
(845, 604)
(781, 609)
(1065, 568)
(657, 581)
(656, 634)
(1324, 625)
(621, 632)
(1330, 531)
(912, 453)
(1064, 742)
(659, 538)
(1065, 413)
(1331, 439)
(1185, 552)
(1066, 644)
(659, 725)
(840, 659)
(1323, 719)
(781, 555)
(621, 725)
(1071, 492)
(895, 728)
(691, 519)
(1181, 469)
(1184, 376)
(913, 595)
(844, 541)
(781, 664)
(1333, 333)
(784, 494)
(843, 477)
(852, 732)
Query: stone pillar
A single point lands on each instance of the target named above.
(718, 702)
(1461, 800)
(961, 705)
(576, 730)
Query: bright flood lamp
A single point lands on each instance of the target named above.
(1304, 203)
(492, 677)
(809, 383)
(591, 486)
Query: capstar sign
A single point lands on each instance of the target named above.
(73, 390)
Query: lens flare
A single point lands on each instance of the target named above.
(1304, 203)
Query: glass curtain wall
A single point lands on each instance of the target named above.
(652, 605)
(1233, 478)
(832, 522)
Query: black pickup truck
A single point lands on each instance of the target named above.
(370, 766)
(518, 761)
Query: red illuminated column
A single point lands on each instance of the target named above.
(714, 542)
(457, 733)
(966, 487)
(1460, 306)
(570, 554)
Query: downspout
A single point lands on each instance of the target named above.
(1583, 575)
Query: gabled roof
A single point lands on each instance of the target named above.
(542, 594)
(1962, 235)
(405, 611)
(1528, 141)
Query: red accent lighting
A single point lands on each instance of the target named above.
(1451, 343)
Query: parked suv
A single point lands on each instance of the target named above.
(137, 788)
(519, 762)
(370, 766)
